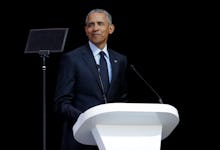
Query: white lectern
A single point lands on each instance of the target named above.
(126, 126)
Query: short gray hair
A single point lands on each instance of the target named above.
(97, 10)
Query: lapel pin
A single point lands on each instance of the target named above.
(115, 61)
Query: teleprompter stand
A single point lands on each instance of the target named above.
(44, 42)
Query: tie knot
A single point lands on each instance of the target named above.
(102, 53)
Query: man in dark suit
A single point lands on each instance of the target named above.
(79, 86)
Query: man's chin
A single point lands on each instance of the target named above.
(96, 40)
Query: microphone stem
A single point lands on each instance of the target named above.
(160, 99)
(102, 86)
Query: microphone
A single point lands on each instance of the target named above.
(102, 86)
(139, 75)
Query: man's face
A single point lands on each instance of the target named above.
(98, 28)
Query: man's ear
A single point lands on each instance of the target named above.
(111, 29)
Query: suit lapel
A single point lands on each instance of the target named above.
(115, 67)
(90, 61)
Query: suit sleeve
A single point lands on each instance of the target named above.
(64, 90)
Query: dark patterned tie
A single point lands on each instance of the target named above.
(104, 72)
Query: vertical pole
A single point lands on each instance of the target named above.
(44, 54)
(44, 103)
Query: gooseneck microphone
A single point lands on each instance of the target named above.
(102, 86)
(140, 76)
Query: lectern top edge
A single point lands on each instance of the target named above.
(143, 114)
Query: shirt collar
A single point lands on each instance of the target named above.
(96, 50)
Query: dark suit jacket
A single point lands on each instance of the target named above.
(78, 88)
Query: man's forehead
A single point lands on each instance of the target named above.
(97, 17)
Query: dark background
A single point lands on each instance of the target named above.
(169, 44)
